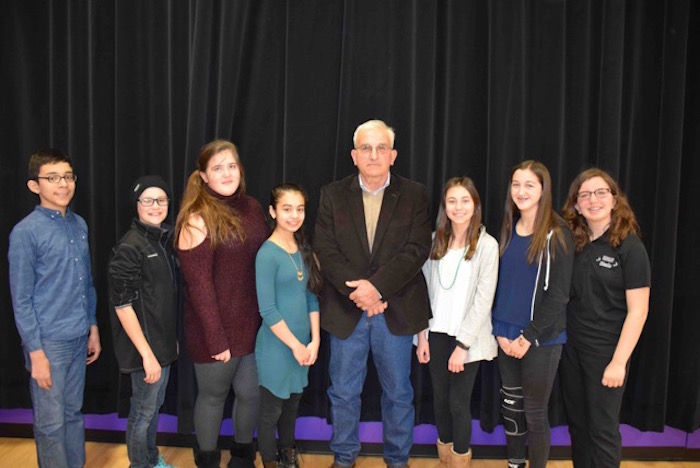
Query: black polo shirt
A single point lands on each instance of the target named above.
(598, 306)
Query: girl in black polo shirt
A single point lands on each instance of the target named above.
(605, 316)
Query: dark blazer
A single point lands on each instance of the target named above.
(401, 246)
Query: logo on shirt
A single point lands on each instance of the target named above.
(607, 262)
(152, 255)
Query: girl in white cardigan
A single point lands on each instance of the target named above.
(461, 273)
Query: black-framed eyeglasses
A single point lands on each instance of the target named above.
(151, 201)
(55, 178)
(599, 194)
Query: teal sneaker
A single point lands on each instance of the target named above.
(162, 463)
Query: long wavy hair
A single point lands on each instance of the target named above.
(623, 222)
(221, 222)
(443, 228)
(546, 219)
(315, 280)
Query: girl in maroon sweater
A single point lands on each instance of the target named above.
(219, 231)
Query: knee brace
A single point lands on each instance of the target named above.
(512, 411)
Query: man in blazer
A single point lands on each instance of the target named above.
(372, 238)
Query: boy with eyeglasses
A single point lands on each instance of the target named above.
(54, 305)
(143, 295)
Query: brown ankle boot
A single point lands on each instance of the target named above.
(460, 460)
(443, 451)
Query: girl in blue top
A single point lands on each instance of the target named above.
(287, 281)
(534, 276)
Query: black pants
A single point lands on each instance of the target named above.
(452, 393)
(533, 375)
(280, 414)
(593, 410)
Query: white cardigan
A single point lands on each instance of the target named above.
(475, 328)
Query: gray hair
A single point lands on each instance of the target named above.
(374, 125)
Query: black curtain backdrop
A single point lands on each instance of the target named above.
(133, 87)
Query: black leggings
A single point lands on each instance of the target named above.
(451, 393)
(531, 377)
(280, 414)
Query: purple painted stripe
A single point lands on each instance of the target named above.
(694, 440)
(310, 428)
(671, 437)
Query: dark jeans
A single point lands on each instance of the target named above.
(534, 374)
(452, 393)
(593, 410)
(142, 426)
(214, 381)
(280, 414)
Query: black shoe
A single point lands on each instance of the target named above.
(206, 459)
(242, 455)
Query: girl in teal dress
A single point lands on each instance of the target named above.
(287, 281)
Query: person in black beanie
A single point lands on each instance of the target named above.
(143, 293)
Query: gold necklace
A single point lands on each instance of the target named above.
(299, 269)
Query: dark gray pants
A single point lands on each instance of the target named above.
(214, 381)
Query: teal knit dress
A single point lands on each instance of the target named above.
(281, 296)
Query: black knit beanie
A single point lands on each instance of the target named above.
(147, 181)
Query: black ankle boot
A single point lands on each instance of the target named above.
(242, 455)
(288, 458)
(206, 459)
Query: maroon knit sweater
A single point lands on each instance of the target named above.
(221, 306)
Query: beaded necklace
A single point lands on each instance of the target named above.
(461, 258)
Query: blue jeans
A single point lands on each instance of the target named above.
(142, 426)
(348, 369)
(58, 423)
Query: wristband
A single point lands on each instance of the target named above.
(459, 344)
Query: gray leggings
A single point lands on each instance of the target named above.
(214, 380)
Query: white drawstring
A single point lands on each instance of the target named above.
(549, 259)
(546, 273)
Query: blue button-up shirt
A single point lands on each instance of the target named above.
(50, 277)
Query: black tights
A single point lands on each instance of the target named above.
(280, 414)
